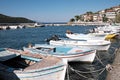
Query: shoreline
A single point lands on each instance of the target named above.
(4, 26)
(80, 24)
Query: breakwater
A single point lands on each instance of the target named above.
(79, 24)
(4, 26)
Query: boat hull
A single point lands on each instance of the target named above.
(57, 74)
(54, 74)
(85, 56)
(83, 44)
(85, 36)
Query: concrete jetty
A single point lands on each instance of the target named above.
(114, 73)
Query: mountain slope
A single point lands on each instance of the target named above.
(9, 19)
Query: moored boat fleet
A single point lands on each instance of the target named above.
(12, 27)
(50, 61)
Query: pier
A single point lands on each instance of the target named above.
(114, 73)
(77, 24)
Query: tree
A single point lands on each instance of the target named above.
(77, 17)
(89, 13)
(72, 20)
(105, 19)
(117, 19)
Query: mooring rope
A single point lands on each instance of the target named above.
(80, 73)
(100, 61)
(116, 51)
(102, 71)
(69, 67)
(107, 67)
(86, 71)
(68, 77)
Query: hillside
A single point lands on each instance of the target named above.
(9, 19)
(110, 15)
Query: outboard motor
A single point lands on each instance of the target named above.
(69, 32)
(54, 37)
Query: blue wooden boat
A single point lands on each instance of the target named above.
(19, 65)
(66, 52)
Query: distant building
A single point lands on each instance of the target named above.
(88, 18)
(116, 8)
(110, 14)
(95, 17)
(118, 11)
(101, 15)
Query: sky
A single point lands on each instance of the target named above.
(53, 10)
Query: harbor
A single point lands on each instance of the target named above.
(60, 40)
(75, 70)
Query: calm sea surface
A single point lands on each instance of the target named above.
(22, 37)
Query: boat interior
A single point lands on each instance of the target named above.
(18, 62)
(55, 49)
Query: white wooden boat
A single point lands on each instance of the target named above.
(19, 65)
(108, 29)
(13, 27)
(99, 34)
(90, 36)
(80, 36)
(92, 44)
(66, 52)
